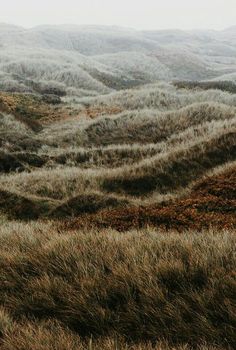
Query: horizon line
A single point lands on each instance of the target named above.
(116, 26)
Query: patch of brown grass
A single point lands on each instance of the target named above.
(17, 206)
(140, 286)
(51, 335)
(32, 110)
(94, 112)
(174, 169)
(86, 203)
(212, 202)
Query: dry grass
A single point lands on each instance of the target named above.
(37, 336)
(203, 137)
(177, 168)
(151, 126)
(229, 86)
(140, 250)
(158, 96)
(117, 211)
(140, 286)
(211, 202)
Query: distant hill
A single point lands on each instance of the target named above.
(101, 59)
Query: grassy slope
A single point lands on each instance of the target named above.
(123, 173)
(211, 202)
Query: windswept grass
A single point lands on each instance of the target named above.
(151, 126)
(143, 286)
(117, 192)
(37, 335)
(210, 202)
(174, 169)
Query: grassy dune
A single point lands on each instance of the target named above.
(118, 219)
(210, 202)
(150, 126)
(175, 169)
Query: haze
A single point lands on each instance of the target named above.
(148, 14)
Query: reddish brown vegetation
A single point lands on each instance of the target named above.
(212, 202)
(31, 110)
(96, 112)
(61, 114)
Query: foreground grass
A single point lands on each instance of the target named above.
(51, 335)
(59, 289)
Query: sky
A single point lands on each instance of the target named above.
(138, 14)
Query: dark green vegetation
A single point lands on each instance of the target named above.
(228, 86)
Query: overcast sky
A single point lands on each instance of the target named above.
(140, 14)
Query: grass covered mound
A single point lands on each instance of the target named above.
(210, 203)
(16, 206)
(86, 203)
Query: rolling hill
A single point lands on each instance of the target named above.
(117, 189)
(101, 59)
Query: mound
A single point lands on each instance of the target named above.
(110, 157)
(9, 163)
(100, 59)
(221, 185)
(16, 206)
(86, 203)
(212, 203)
(31, 110)
(16, 142)
(31, 159)
(151, 126)
(20, 161)
(26, 108)
(175, 169)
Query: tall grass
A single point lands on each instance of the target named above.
(141, 285)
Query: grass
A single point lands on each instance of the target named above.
(210, 202)
(86, 203)
(117, 197)
(34, 336)
(17, 206)
(143, 285)
(158, 96)
(152, 126)
(176, 169)
(229, 86)
(117, 220)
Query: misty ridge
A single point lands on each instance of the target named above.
(82, 60)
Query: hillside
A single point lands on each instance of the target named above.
(144, 145)
(98, 60)
(117, 189)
